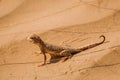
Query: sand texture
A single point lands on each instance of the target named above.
(68, 23)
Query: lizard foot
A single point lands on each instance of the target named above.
(41, 65)
(64, 59)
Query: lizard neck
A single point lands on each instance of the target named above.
(41, 43)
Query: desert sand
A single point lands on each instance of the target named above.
(68, 23)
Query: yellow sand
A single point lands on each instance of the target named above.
(68, 23)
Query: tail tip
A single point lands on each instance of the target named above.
(103, 37)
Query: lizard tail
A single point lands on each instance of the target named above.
(92, 45)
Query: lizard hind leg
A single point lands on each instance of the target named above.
(66, 55)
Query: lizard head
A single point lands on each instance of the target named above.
(34, 39)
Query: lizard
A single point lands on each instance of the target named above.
(57, 51)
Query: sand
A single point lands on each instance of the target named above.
(65, 23)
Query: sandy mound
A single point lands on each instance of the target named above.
(19, 61)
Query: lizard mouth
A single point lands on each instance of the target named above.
(30, 40)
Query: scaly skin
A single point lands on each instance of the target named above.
(58, 51)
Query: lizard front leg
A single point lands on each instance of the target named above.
(44, 59)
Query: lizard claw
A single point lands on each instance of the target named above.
(64, 59)
(41, 65)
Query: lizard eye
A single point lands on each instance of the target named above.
(33, 38)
